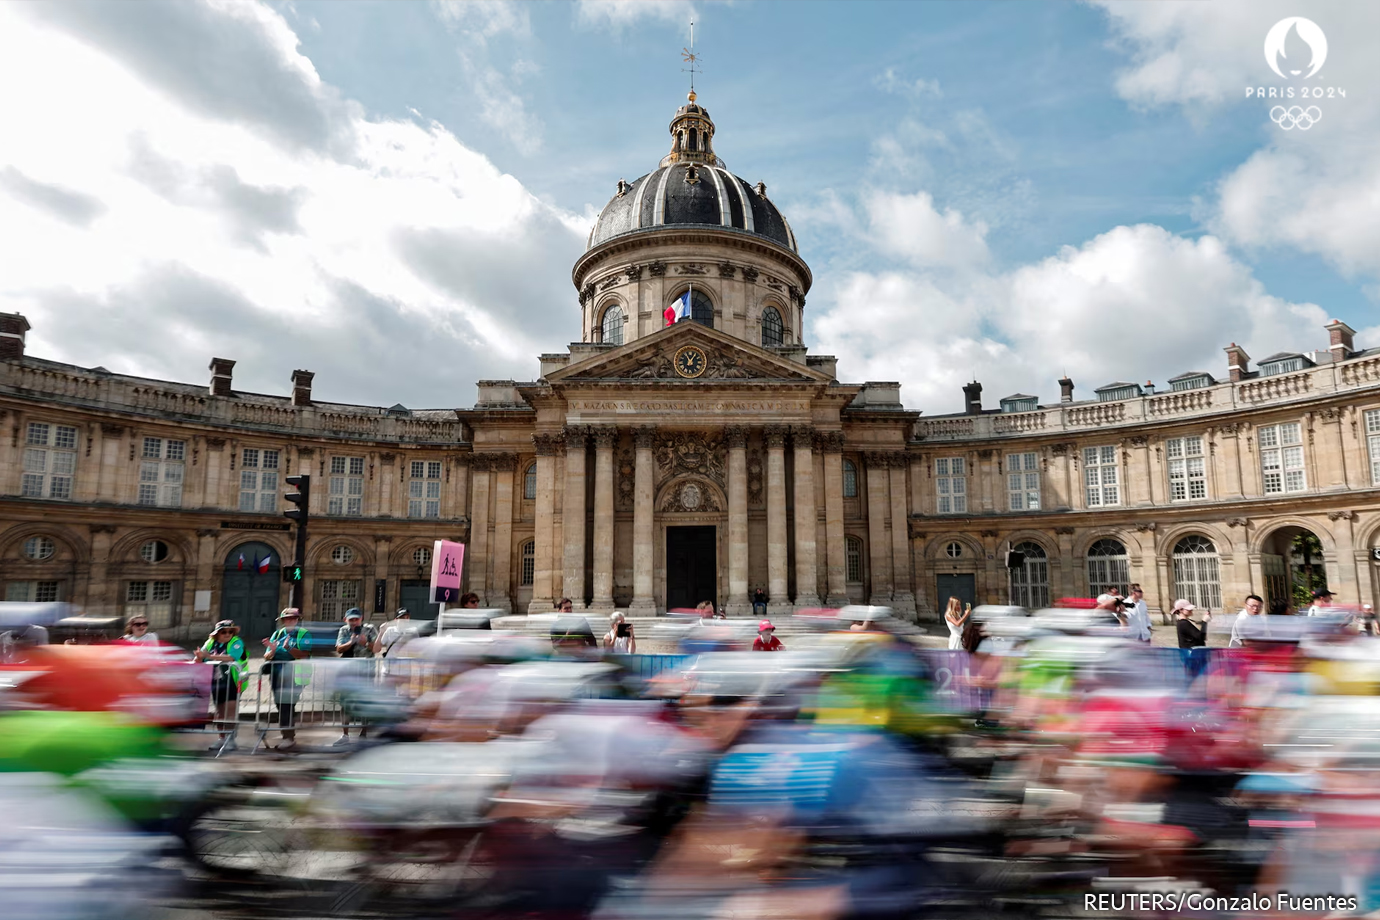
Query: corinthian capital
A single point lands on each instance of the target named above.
(802, 436)
(735, 436)
(644, 437)
(605, 436)
(775, 435)
(547, 444)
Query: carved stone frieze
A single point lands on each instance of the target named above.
(1341, 515)
(655, 367)
(796, 296)
(690, 452)
(1237, 522)
(725, 365)
(1060, 449)
(775, 435)
(1139, 440)
(625, 467)
(1329, 414)
(656, 268)
(690, 496)
(633, 272)
(547, 444)
(609, 283)
(749, 273)
(691, 268)
(829, 441)
(756, 470)
(735, 436)
(727, 269)
(503, 463)
(1147, 527)
(587, 292)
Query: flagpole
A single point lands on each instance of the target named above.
(690, 300)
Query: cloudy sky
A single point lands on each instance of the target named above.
(392, 195)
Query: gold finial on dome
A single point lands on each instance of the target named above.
(691, 97)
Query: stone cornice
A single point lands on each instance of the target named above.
(653, 242)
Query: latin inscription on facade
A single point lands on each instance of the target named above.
(678, 407)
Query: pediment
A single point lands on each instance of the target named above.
(653, 358)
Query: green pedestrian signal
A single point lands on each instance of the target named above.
(292, 574)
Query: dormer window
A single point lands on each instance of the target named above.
(1191, 381)
(1115, 391)
(1282, 366)
(1020, 402)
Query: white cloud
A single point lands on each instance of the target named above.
(401, 266)
(485, 18)
(1135, 303)
(619, 14)
(475, 23)
(910, 227)
(891, 82)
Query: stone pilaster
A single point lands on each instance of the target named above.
(573, 527)
(902, 592)
(543, 572)
(604, 440)
(735, 438)
(112, 440)
(212, 495)
(830, 443)
(501, 586)
(477, 555)
(775, 438)
(387, 471)
(878, 549)
(806, 520)
(644, 473)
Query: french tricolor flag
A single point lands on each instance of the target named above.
(678, 310)
(241, 563)
(263, 564)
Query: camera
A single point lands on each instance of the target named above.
(624, 630)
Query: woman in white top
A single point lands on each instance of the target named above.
(137, 631)
(624, 644)
(957, 617)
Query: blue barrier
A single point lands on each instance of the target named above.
(647, 667)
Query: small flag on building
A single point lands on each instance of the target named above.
(241, 562)
(678, 310)
(263, 564)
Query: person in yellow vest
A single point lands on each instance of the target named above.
(225, 650)
(288, 643)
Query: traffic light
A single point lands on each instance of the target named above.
(292, 574)
(301, 498)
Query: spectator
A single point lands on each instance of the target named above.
(396, 630)
(1322, 603)
(956, 617)
(229, 658)
(1191, 635)
(137, 631)
(565, 606)
(620, 639)
(1244, 627)
(1112, 604)
(759, 602)
(469, 601)
(1137, 614)
(766, 640)
(288, 643)
(357, 640)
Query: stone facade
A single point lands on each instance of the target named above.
(687, 463)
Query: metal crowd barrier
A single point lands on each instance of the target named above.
(213, 708)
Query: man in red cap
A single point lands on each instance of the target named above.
(766, 640)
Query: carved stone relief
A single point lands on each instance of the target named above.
(749, 273)
(755, 470)
(691, 268)
(690, 496)
(690, 452)
(657, 268)
(634, 272)
(626, 468)
(727, 270)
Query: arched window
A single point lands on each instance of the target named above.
(773, 330)
(694, 137)
(701, 309)
(529, 483)
(529, 564)
(853, 559)
(613, 326)
(1107, 567)
(1196, 578)
(850, 479)
(1030, 582)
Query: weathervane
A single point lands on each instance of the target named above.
(688, 56)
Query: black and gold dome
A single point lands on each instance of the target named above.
(691, 187)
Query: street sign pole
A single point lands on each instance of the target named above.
(447, 561)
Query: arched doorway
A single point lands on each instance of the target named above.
(1291, 560)
(250, 588)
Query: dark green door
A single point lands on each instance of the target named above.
(691, 574)
(414, 595)
(248, 596)
(963, 587)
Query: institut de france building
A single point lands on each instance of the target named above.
(653, 466)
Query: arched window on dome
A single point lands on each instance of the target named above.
(773, 330)
(701, 309)
(612, 326)
(694, 139)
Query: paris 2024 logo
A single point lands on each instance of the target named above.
(1296, 49)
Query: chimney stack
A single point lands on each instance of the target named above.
(1065, 390)
(13, 326)
(1237, 362)
(301, 388)
(1340, 340)
(1149, 388)
(221, 371)
(972, 398)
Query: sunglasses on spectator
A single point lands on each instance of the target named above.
(138, 625)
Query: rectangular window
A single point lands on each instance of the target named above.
(1101, 484)
(32, 592)
(259, 480)
(347, 486)
(338, 596)
(161, 472)
(1281, 458)
(1187, 473)
(1023, 481)
(152, 599)
(529, 564)
(424, 489)
(853, 558)
(50, 461)
(1373, 440)
(952, 484)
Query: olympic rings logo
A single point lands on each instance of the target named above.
(1296, 117)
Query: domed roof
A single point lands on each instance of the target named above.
(691, 187)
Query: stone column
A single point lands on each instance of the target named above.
(543, 572)
(1348, 582)
(477, 553)
(735, 439)
(775, 438)
(878, 550)
(830, 443)
(501, 585)
(604, 439)
(573, 517)
(902, 593)
(806, 519)
(644, 473)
